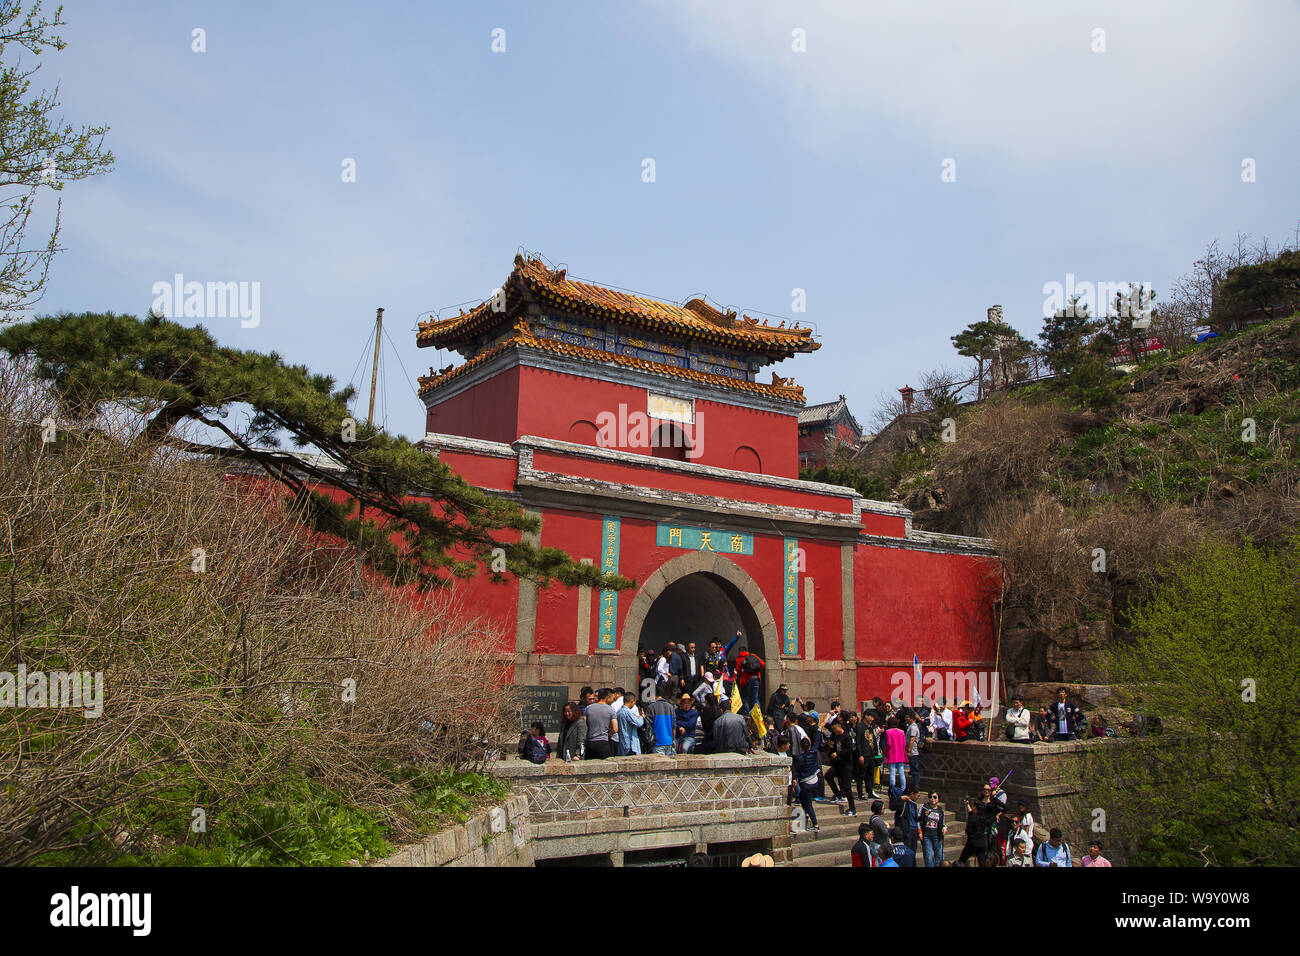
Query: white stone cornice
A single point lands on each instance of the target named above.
(433, 442)
(594, 453)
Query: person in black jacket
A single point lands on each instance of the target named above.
(842, 753)
(805, 769)
(778, 706)
(864, 761)
(977, 832)
(707, 718)
(573, 732)
(932, 831)
(907, 818)
(1066, 717)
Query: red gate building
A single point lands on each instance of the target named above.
(640, 434)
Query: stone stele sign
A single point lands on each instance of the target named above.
(545, 704)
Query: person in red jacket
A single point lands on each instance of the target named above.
(749, 677)
(861, 851)
(962, 721)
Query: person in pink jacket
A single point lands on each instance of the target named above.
(896, 753)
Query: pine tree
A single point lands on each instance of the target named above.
(176, 374)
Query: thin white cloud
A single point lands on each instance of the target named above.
(1017, 77)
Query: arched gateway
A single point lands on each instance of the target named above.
(701, 596)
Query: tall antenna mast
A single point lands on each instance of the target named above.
(370, 420)
(374, 367)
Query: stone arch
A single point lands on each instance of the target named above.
(669, 441)
(747, 459)
(741, 588)
(584, 432)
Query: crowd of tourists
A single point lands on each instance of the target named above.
(686, 702)
(709, 703)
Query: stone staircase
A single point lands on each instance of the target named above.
(831, 845)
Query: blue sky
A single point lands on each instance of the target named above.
(774, 169)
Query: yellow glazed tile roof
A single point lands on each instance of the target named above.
(532, 281)
(522, 337)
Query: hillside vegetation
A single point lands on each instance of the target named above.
(1088, 502)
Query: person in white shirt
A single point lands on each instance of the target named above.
(1018, 722)
(797, 734)
(941, 721)
(1020, 831)
(1026, 820)
(705, 688)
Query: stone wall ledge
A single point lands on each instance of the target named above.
(567, 828)
(653, 763)
(497, 836)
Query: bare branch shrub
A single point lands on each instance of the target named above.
(1003, 446)
(225, 670)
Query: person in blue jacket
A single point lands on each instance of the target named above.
(687, 718)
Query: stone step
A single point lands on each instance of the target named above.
(825, 858)
(841, 846)
(834, 847)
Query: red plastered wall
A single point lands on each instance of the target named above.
(488, 410)
(532, 401)
(936, 606)
(579, 534)
(822, 563)
(723, 428)
(483, 471)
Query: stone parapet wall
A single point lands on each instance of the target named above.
(653, 802)
(1045, 775)
(500, 836)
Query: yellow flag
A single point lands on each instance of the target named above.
(758, 720)
(735, 699)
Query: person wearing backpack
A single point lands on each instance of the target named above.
(842, 752)
(903, 854)
(861, 851)
(749, 674)
(534, 746)
(1055, 852)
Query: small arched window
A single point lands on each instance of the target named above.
(584, 432)
(746, 459)
(669, 441)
